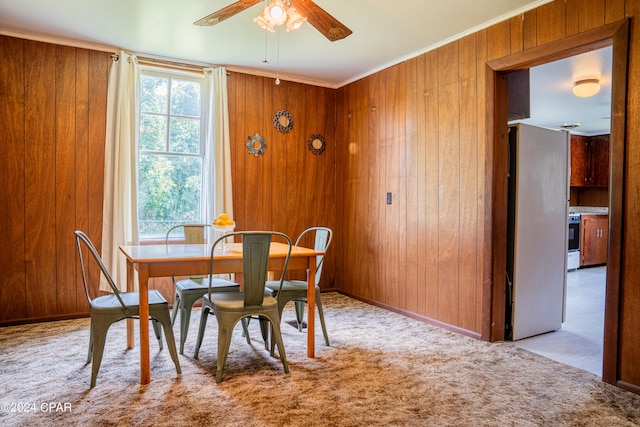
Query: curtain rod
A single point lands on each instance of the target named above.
(177, 66)
(169, 65)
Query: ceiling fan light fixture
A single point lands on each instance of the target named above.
(586, 87)
(280, 12)
(263, 23)
(294, 19)
(275, 13)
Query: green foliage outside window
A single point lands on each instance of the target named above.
(171, 155)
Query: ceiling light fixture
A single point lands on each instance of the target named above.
(586, 87)
(279, 12)
(275, 14)
(570, 126)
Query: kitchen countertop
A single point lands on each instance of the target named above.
(589, 210)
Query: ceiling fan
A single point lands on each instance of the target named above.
(329, 26)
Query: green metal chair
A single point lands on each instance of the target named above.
(231, 307)
(108, 309)
(189, 291)
(296, 290)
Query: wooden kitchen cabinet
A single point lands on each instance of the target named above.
(580, 164)
(594, 238)
(589, 161)
(600, 160)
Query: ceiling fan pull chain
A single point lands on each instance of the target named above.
(265, 60)
(278, 60)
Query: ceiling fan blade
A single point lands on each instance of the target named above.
(329, 26)
(226, 12)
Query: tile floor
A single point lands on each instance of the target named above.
(580, 340)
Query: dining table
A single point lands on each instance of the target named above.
(165, 260)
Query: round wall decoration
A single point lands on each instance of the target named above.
(256, 145)
(283, 121)
(316, 144)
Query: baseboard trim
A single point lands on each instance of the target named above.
(425, 319)
(629, 387)
(57, 317)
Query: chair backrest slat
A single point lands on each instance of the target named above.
(83, 240)
(323, 237)
(255, 262)
(254, 267)
(192, 233)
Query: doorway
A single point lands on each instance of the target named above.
(579, 340)
(615, 35)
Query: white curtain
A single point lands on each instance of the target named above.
(218, 197)
(120, 210)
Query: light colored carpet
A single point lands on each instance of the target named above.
(382, 369)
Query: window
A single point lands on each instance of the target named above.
(171, 152)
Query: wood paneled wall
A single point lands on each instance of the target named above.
(52, 127)
(288, 188)
(52, 121)
(412, 131)
(589, 196)
(420, 131)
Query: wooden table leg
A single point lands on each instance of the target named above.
(311, 305)
(143, 282)
(130, 288)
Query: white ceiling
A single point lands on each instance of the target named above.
(384, 33)
(553, 104)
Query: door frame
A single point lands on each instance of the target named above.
(617, 35)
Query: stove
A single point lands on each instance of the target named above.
(573, 257)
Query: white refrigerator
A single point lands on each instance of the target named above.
(537, 230)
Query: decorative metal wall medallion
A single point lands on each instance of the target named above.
(316, 143)
(256, 145)
(283, 121)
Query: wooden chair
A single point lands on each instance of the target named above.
(231, 307)
(108, 309)
(296, 290)
(190, 290)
